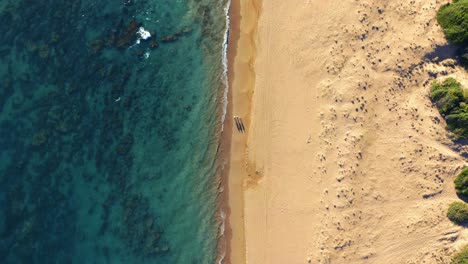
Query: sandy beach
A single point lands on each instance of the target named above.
(344, 160)
(241, 57)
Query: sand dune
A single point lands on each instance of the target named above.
(347, 160)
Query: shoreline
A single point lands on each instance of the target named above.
(243, 17)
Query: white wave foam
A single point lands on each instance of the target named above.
(223, 218)
(225, 80)
(221, 257)
(221, 233)
(225, 65)
(143, 33)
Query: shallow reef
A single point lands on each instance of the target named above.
(108, 140)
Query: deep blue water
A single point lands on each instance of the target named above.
(108, 141)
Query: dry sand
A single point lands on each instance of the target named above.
(347, 160)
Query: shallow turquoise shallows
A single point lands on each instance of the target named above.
(110, 116)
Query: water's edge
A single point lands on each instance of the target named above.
(223, 159)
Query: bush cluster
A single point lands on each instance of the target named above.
(458, 212)
(453, 18)
(461, 257)
(449, 98)
(447, 95)
(457, 121)
(461, 182)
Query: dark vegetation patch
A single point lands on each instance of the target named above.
(458, 212)
(461, 257)
(461, 182)
(450, 99)
(453, 18)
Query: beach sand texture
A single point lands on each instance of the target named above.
(241, 57)
(347, 160)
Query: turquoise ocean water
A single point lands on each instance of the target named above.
(110, 117)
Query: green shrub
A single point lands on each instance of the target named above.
(453, 18)
(447, 95)
(457, 121)
(461, 182)
(458, 212)
(461, 257)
